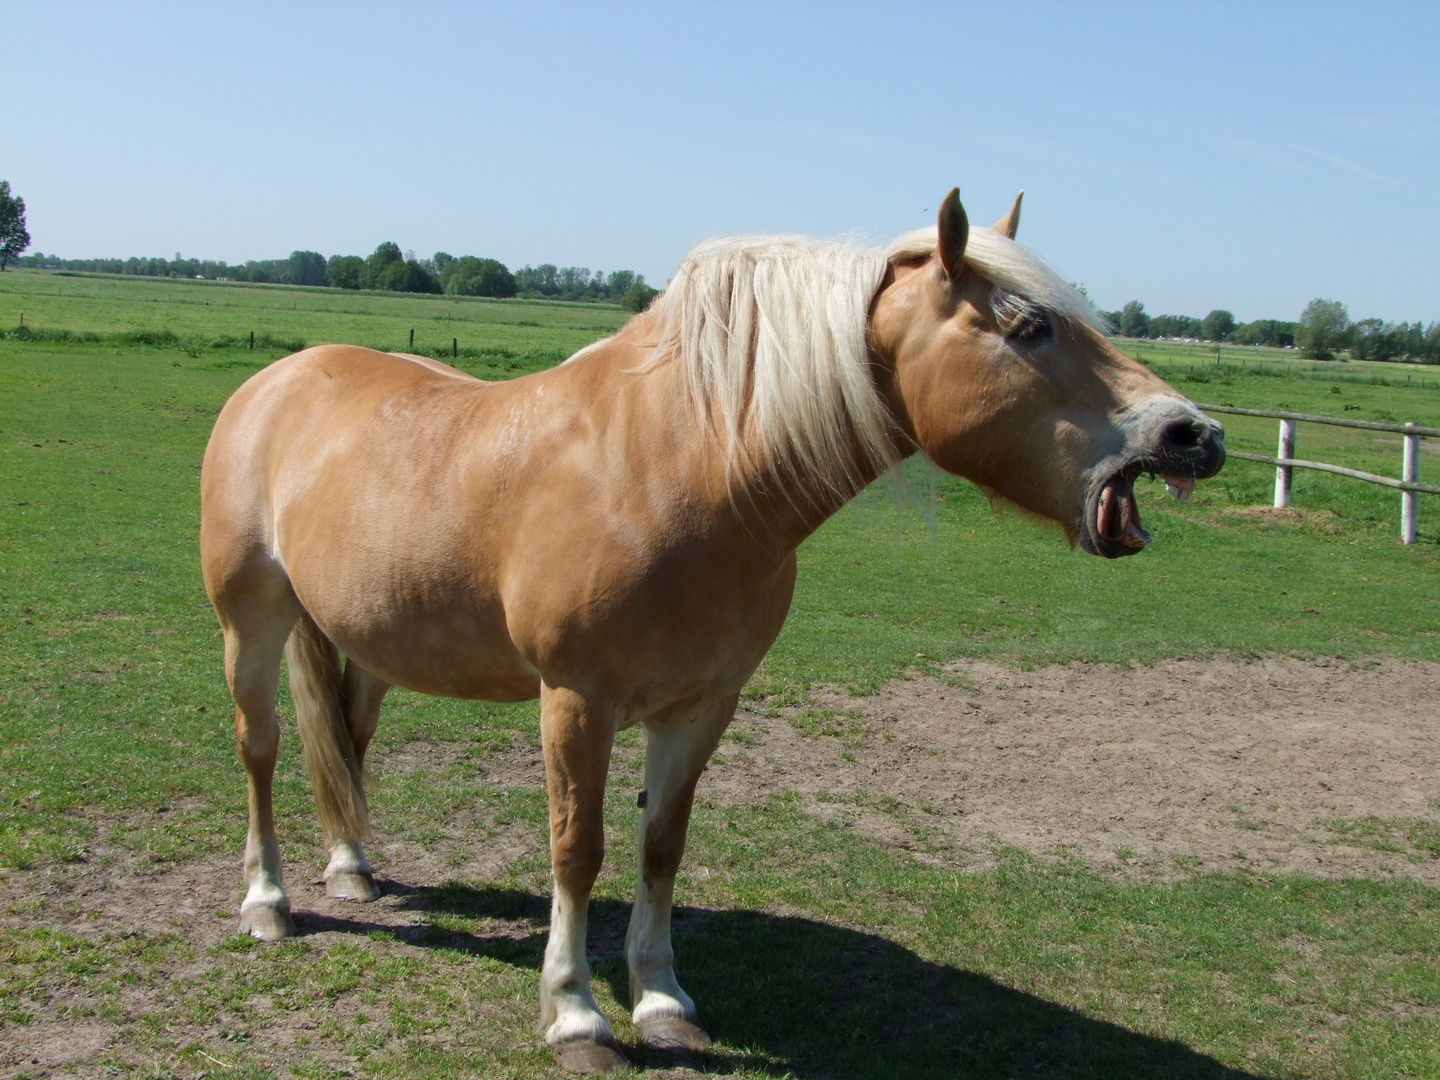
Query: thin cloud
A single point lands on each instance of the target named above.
(1344, 164)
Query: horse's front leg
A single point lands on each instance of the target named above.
(577, 737)
(675, 756)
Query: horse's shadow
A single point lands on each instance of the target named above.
(803, 998)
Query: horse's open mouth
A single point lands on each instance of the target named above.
(1113, 516)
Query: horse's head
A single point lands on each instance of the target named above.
(998, 371)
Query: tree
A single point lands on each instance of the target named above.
(1133, 322)
(1217, 325)
(1324, 328)
(346, 271)
(13, 237)
(1374, 339)
(307, 268)
(380, 260)
(638, 296)
(1266, 332)
(619, 281)
(406, 276)
(469, 276)
(539, 280)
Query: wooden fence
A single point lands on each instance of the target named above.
(1408, 484)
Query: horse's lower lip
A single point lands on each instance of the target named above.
(1113, 516)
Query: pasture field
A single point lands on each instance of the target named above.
(813, 949)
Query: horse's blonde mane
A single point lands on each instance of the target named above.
(771, 331)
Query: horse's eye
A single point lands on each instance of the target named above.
(1033, 325)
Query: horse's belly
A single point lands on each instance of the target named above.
(455, 655)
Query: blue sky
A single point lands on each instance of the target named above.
(1190, 156)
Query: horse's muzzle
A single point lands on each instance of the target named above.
(1169, 438)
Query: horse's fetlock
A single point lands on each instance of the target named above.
(648, 957)
(347, 856)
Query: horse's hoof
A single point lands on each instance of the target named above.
(673, 1033)
(267, 924)
(585, 1056)
(358, 887)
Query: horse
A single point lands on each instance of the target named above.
(617, 535)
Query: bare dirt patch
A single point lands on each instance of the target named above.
(1324, 520)
(1217, 764)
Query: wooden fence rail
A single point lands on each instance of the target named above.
(1408, 484)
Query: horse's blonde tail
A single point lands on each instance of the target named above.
(331, 757)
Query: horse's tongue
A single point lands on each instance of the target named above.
(1117, 518)
(1107, 515)
(1132, 535)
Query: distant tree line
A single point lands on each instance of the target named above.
(1323, 332)
(389, 269)
(1133, 321)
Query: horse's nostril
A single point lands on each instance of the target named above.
(1185, 433)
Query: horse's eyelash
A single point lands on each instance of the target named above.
(1022, 319)
(1035, 323)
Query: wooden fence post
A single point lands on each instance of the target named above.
(252, 339)
(1410, 473)
(1283, 472)
(454, 348)
(412, 339)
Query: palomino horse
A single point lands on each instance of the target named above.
(617, 535)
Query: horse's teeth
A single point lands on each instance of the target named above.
(1179, 487)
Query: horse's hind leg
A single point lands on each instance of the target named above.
(675, 756)
(348, 876)
(255, 630)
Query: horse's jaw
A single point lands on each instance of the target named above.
(1164, 436)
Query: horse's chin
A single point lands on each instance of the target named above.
(1111, 524)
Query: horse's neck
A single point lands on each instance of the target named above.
(772, 503)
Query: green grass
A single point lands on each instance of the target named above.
(115, 725)
(216, 317)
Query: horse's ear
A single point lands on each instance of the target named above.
(1010, 223)
(954, 232)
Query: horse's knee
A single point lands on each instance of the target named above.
(576, 859)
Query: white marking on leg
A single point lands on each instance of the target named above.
(347, 857)
(262, 875)
(674, 756)
(654, 990)
(567, 1006)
